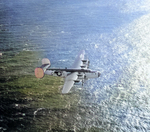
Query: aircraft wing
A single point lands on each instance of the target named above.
(78, 60)
(69, 82)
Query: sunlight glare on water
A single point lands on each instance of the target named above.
(122, 93)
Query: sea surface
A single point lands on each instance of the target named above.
(116, 38)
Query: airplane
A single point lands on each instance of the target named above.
(78, 72)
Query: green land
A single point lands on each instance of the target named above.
(25, 100)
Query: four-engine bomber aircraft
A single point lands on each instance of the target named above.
(78, 72)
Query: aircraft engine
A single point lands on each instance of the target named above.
(81, 76)
(86, 63)
(39, 71)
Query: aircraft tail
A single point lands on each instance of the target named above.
(39, 71)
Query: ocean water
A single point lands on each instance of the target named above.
(115, 36)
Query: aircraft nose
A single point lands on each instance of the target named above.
(99, 74)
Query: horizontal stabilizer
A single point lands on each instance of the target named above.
(39, 71)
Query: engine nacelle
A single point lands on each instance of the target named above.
(81, 76)
(85, 63)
